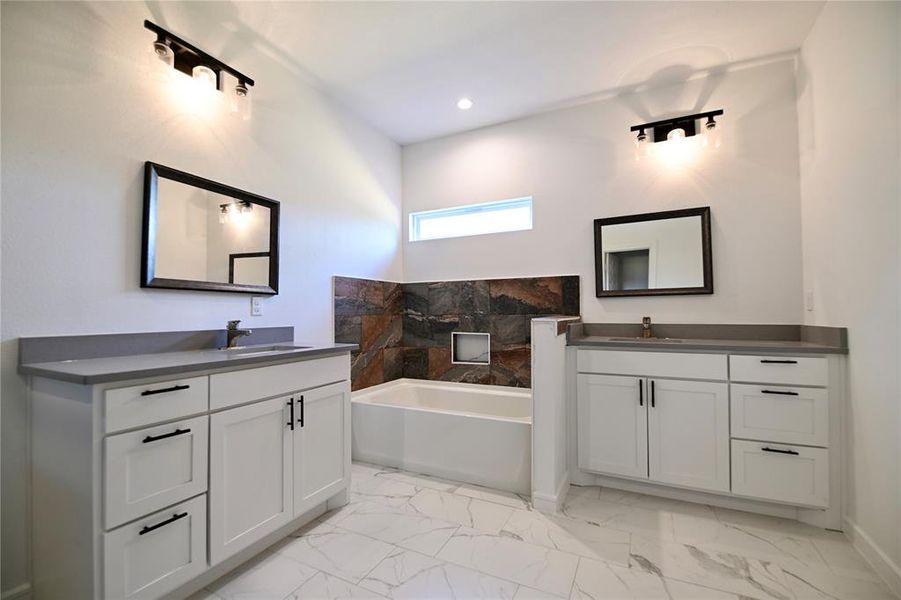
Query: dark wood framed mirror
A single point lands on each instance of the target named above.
(202, 235)
(654, 254)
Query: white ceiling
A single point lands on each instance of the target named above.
(402, 66)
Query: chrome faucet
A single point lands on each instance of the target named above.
(646, 327)
(233, 333)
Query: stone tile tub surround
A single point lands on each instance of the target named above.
(367, 312)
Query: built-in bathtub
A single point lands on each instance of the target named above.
(473, 433)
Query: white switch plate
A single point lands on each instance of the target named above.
(256, 306)
(808, 300)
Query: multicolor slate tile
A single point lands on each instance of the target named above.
(404, 330)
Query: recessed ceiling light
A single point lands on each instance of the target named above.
(464, 103)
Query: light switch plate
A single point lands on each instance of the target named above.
(256, 306)
(808, 300)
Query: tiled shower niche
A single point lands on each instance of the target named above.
(404, 330)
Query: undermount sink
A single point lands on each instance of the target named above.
(643, 339)
(254, 350)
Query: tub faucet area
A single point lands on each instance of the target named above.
(646, 328)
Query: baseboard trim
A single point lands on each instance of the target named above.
(20, 592)
(547, 503)
(884, 566)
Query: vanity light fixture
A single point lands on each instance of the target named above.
(675, 129)
(204, 68)
(232, 211)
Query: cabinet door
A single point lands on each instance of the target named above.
(688, 433)
(250, 475)
(321, 444)
(613, 425)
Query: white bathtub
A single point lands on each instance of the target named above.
(473, 433)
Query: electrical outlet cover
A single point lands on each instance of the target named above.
(256, 306)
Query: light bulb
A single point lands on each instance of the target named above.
(205, 76)
(464, 103)
(676, 134)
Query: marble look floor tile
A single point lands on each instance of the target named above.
(383, 490)
(488, 495)
(768, 523)
(527, 593)
(396, 569)
(767, 544)
(842, 558)
(580, 491)
(323, 586)
(819, 583)
(420, 481)
(265, 577)
(463, 510)
(569, 535)
(414, 576)
(336, 551)
(400, 526)
(362, 469)
(598, 581)
(203, 595)
(541, 568)
(655, 524)
(719, 570)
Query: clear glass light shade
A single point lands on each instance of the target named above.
(224, 214)
(205, 76)
(712, 136)
(641, 146)
(160, 61)
(676, 134)
(240, 102)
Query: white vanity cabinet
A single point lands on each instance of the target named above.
(142, 486)
(250, 475)
(753, 426)
(656, 428)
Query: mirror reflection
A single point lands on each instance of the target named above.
(652, 254)
(206, 238)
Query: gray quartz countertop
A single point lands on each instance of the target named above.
(787, 339)
(89, 371)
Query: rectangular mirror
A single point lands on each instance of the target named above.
(203, 235)
(654, 254)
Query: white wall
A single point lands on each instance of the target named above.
(579, 165)
(80, 118)
(848, 110)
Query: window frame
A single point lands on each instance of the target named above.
(415, 218)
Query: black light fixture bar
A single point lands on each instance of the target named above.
(188, 56)
(687, 123)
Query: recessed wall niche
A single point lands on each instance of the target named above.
(470, 348)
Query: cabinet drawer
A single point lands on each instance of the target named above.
(151, 557)
(653, 364)
(148, 469)
(150, 403)
(790, 370)
(240, 387)
(796, 475)
(780, 414)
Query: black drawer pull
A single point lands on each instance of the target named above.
(768, 361)
(153, 438)
(781, 393)
(172, 519)
(174, 388)
(777, 451)
(291, 417)
(640, 393)
(300, 420)
(653, 396)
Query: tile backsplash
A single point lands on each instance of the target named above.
(404, 330)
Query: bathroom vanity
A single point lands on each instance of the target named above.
(753, 421)
(156, 470)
